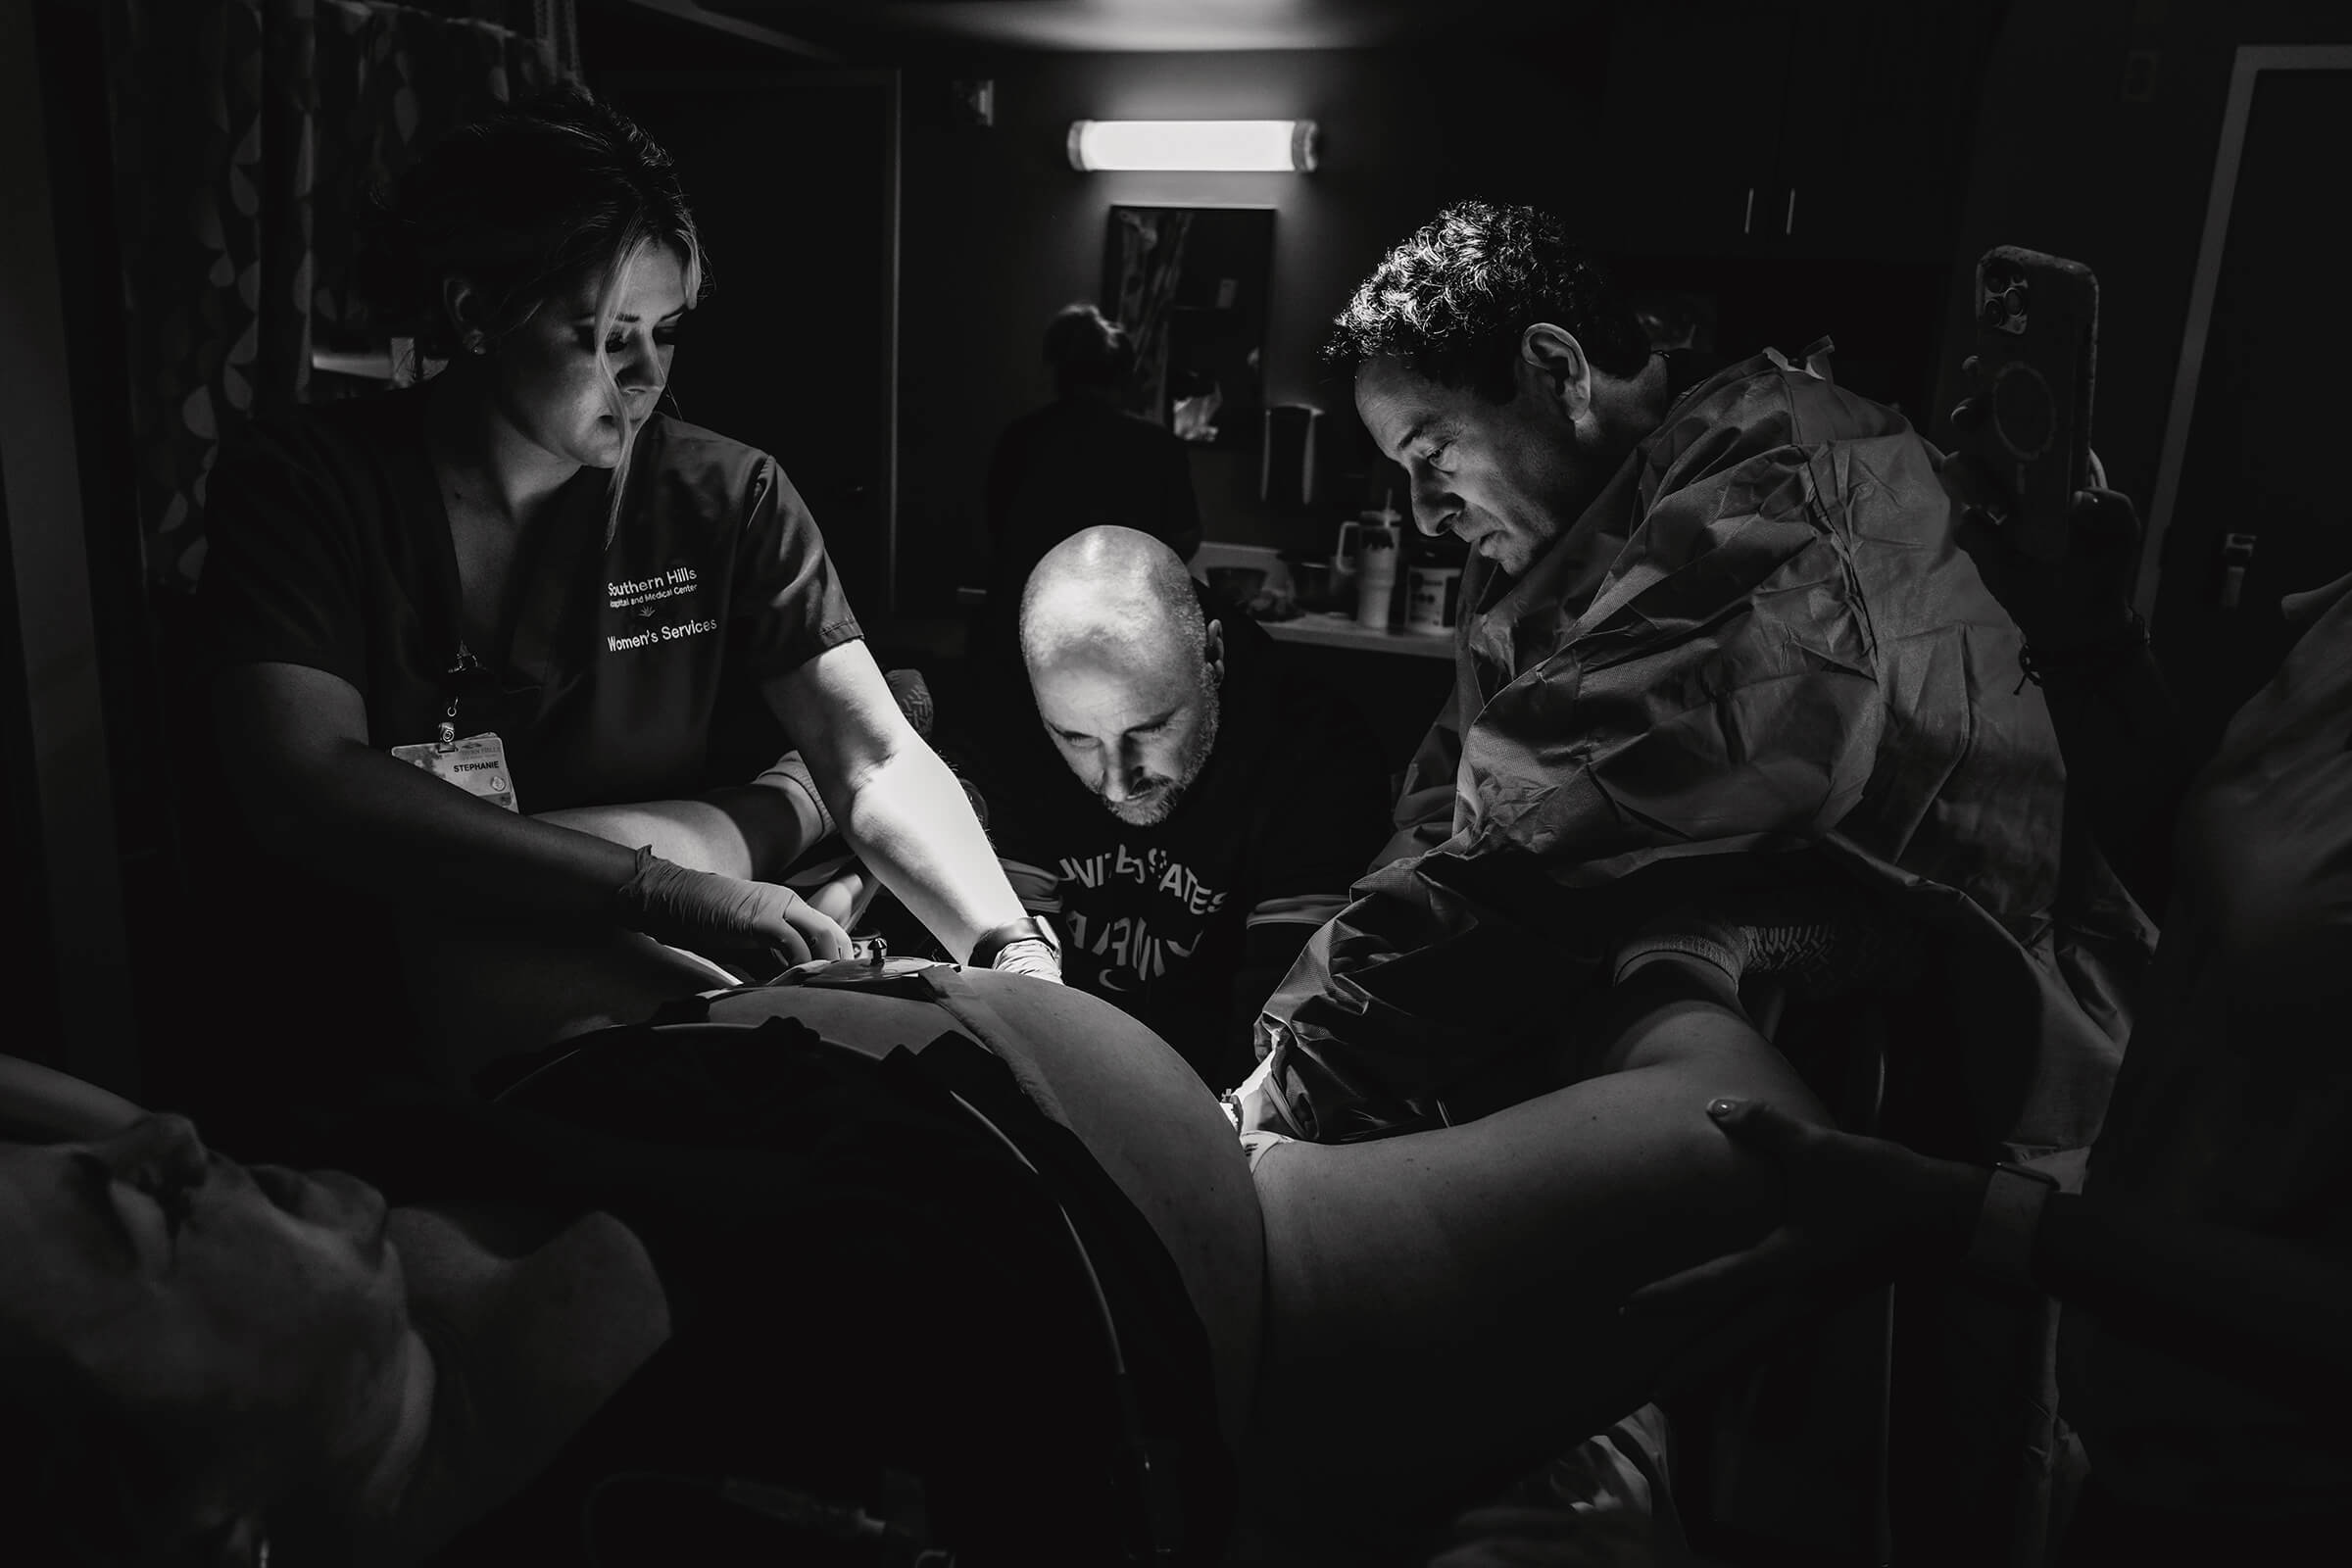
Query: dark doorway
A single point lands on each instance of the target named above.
(792, 176)
(2260, 510)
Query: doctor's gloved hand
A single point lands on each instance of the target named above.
(721, 916)
(1033, 957)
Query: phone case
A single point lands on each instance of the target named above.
(2027, 414)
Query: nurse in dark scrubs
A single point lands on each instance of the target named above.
(500, 659)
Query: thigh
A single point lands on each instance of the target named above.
(1441, 1306)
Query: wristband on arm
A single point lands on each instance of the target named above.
(790, 769)
(991, 944)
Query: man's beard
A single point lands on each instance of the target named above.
(1166, 794)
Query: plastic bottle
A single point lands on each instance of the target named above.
(1376, 579)
(1380, 561)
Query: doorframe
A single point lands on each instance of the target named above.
(74, 862)
(2245, 76)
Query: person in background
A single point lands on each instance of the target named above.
(1081, 461)
(1191, 812)
(500, 658)
(2206, 1264)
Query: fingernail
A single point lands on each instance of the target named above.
(1721, 1107)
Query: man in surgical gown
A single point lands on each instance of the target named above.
(1719, 642)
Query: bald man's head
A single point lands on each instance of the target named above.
(1124, 668)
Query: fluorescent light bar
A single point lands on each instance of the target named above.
(1207, 146)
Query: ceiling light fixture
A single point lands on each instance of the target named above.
(1195, 146)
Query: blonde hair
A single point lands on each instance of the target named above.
(608, 306)
(521, 205)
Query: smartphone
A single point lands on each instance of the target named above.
(2026, 416)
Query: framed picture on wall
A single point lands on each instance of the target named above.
(1191, 284)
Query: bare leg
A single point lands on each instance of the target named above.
(1441, 1306)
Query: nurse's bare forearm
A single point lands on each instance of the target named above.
(363, 818)
(751, 830)
(913, 824)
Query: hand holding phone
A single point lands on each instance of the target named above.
(2025, 423)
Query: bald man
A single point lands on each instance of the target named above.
(1192, 812)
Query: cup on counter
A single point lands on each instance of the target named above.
(1433, 599)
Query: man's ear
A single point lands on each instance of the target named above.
(1213, 651)
(1552, 362)
(463, 308)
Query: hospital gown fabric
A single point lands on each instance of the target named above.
(1761, 636)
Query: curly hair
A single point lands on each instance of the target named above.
(1450, 302)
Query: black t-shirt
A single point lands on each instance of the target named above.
(1159, 920)
(633, 668)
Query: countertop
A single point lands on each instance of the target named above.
(1338, 629)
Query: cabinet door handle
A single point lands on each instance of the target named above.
(1747, 218)
(1788, 217)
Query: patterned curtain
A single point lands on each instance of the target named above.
(246, 136)
(1151, 241)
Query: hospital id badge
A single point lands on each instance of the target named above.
(477, 765)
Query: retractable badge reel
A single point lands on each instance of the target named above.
(478, 764)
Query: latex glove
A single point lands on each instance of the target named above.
(1031, 957)
(1846, 1202)
(1252, 1108)
(715, 915)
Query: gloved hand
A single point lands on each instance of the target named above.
(718, 915)
(1031, 957)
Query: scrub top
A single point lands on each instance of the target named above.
(633, 666)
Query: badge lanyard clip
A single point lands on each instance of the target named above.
(465, 671)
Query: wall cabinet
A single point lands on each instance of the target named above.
(1835, 129)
